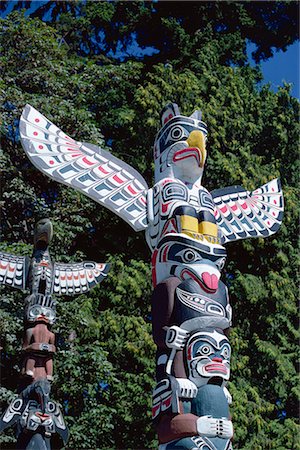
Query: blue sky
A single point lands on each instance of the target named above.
(283, 66)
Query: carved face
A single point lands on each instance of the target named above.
(43, 232)
(180, 255)
(40, 308)
(179, 148)
(208, 356)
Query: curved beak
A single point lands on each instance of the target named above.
(197, 139)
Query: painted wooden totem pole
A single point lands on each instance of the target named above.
(38, 418)
(186, 229)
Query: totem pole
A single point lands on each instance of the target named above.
(186, 229)
(37, 417)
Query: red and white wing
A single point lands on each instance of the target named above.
(77, 278)
(14, 270)
(242, 214)
(86, 167)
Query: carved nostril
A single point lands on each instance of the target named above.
(217, 359)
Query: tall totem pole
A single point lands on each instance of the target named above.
(186, 230)
(38, 418)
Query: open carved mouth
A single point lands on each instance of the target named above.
(189, 152)
(216, 367)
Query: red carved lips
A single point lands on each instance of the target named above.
(210, 280)
(189, 152)
(216, 367)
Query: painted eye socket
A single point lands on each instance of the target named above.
(35, 311)
(189, 256)
(176, 133)
(205, 350)
(225, 352)
(221, 263)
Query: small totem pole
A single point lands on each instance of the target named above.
(38, 418)
(186, 229)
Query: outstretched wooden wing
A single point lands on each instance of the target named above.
(241, 214)
(14, 270)
(77, 278)
(86, 167)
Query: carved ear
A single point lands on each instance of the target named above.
(169, 111)
(196, 115)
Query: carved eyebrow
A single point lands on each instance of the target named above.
(185, 121)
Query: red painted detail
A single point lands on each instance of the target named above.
(155, 409)
(143, 200)
(210, 280)
(44, 264)
(87, 161)
(63, 277)
(118, 179)
(168, 118)
(2, 266)
(35, 133)
(102, 170)
(42, 416)
(223, 209)
(164, 207)
(216, 367)
(82, 276)
(169, 227)
(36, 120)
(76, 277)
(217, 359)
(153, 264)
(132, 191)
(273, 190)
(244, 205)
(69, 277)
(165, 252)
(234, 208)
(215, 213)
(90, 275)
(41, 146)
(167, 402)
(189, 152)
(268, 222)
(189, 353)
(11, 269)
(274, 214)
(51, 162)
(275, 202)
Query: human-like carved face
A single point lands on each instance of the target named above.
(40, 308)
(38, 313)
(180, 145)
(184, 257)
(208, 356)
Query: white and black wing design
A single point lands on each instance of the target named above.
(14, 270)
(241, 214)
(86, 167)
(77, 278)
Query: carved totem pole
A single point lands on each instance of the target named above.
(38, 418)
(186, 229)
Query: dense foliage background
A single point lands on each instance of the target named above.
(102, 71)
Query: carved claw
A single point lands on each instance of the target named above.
(176, 337)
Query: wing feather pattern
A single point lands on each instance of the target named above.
(77, 278)
(13, 270)
(241, 214)
(86, 167)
